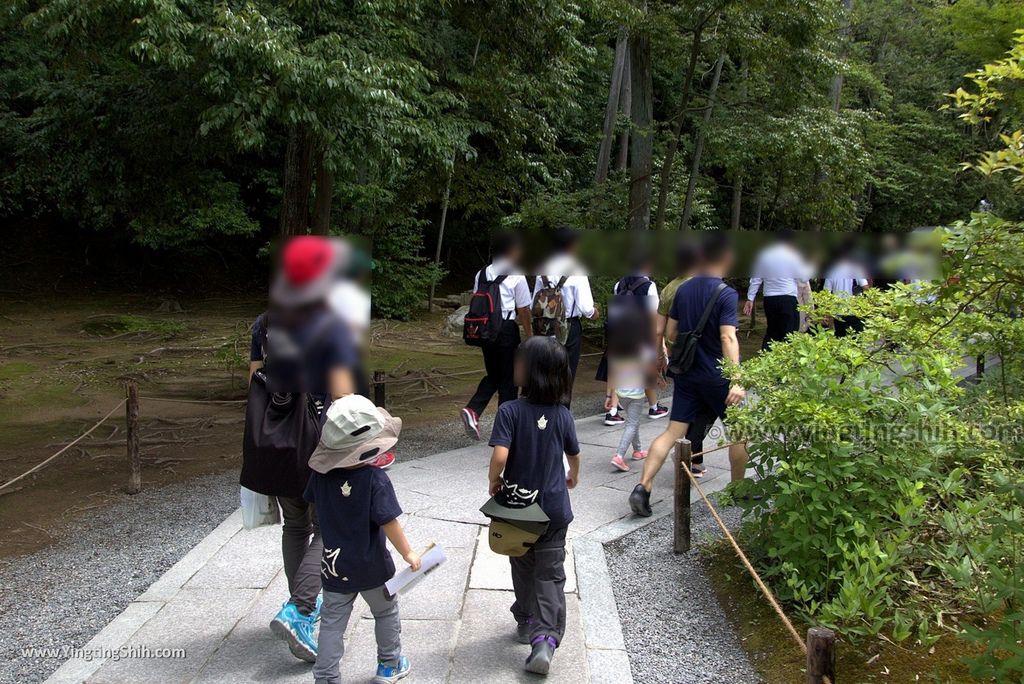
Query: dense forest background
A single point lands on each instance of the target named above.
(147, 140)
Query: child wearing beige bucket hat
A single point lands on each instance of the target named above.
(358, 509)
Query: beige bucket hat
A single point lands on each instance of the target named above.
(356, 433)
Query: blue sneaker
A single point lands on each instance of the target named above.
(386, 674)
(296, 630)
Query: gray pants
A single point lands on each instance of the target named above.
(538, 580)
(632, 410)
(302, 548)
(334, 616)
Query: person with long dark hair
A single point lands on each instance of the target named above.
(533, 439)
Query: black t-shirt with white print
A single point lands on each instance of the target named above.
(353, 504)
(536, 436)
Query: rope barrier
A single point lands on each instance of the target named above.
(65, 448)
(743, 557)
(195, 401)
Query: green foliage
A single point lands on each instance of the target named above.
(127, 324)
(890, 497)
(168, 121)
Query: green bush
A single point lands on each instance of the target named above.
(889, 497)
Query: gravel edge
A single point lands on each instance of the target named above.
(675, 630)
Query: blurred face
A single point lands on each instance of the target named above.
(519, 371)
(728, 260)
(515, 254)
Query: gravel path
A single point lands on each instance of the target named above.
(62, 595)
(675, 630)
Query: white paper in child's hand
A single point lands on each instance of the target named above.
(405, 578)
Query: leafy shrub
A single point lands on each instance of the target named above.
(886, 499)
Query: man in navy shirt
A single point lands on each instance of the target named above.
(703, 388)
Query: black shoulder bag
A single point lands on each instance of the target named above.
(685, 346)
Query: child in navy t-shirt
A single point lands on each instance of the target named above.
(532, 438)
(358, 513)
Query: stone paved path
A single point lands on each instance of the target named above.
(217, 601)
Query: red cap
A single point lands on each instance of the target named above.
(305, 258)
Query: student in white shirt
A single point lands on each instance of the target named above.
(506, 251)
(576, 294)
(780, 269)
(847, 277)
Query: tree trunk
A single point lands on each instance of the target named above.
(737, 202)
(698, 148)
(737, 183)
(298, 179)
(324, 196)
(641, 138)
(604, 154)
(836, 91)
(677, 129)
(447, 197)
(440, 234)
(625, 104)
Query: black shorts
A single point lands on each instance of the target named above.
(692, 399)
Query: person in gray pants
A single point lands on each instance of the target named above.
(301, 546)
(358, 513)
(334, 616)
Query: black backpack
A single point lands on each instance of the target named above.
(685, 347)
(282, 428)
(628, 296)
(627, 307)
(482, 323)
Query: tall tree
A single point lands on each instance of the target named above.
(641, 138)
(615, 89)
(698, 147)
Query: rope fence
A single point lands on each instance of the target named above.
(131, 404)
(78, 439)
(819, 647)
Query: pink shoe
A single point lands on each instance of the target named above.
(639, 455)
(620, 464)
(470, 423)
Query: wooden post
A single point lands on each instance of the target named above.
(131, 412)
(681, 503)
(379, 389)
(821, 656)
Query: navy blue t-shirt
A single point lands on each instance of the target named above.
(536, 437)
(687, 308)
(324, 343)
(352, 505)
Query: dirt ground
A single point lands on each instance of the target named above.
(64, 362)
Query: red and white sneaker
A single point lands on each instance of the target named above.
(471, 422)
(384, 461)
(657, 412)
(612, 420)
(639, 455)
(620, 464)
